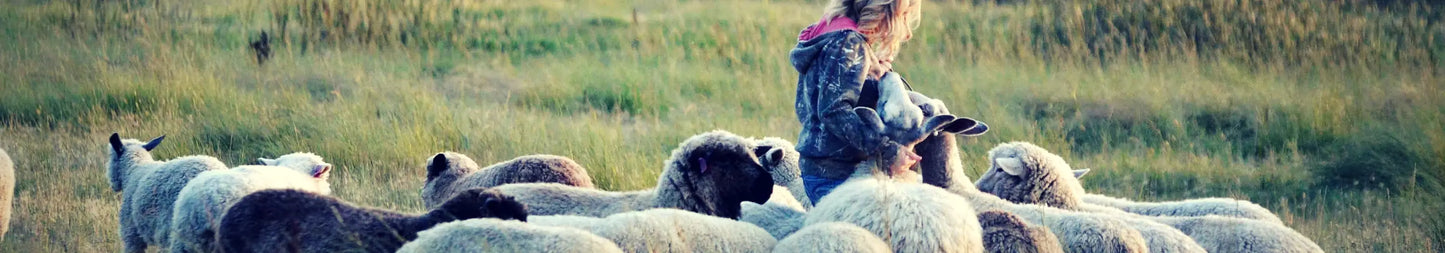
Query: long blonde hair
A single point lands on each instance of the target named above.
(881, 21)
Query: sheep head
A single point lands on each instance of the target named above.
(484, 203)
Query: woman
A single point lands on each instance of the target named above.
(839, 61)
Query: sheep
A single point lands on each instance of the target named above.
(448, 173)
(289, 220)
(780, 216)
(710, 173)
(1005, 232)
(1024, 173)
(7, 191)
(149, 188)
(1076, 231)
(832, 237)
(781, 159)
(494, 235)
(910, 216)
(668, 230)
(204, 201)
(1192, 207)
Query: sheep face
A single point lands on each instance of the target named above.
(721, 167)
(483, 203)
(1021, 172)
(124, 154)
(780, 159)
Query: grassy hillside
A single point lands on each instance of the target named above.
(1327, 112)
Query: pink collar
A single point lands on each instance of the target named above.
(826, 26)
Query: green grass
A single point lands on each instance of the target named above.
(1327, 112)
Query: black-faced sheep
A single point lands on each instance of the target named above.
(711, 173)
(149, 188)
(287, 220)
(448, 173)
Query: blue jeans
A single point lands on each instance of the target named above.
(817, 187)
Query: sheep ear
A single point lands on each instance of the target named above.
(978, 129)
(775, 156)
(1080, 173)
(153, 143)
(762, 150)
(938, 122)
(264, 161)
(437, 166)
(320, 170)
(115, 144)
(869, 117)
(1012, 166)
(960, 125)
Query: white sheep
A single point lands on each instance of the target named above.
(1006, 233)
(494, 235)
(205, 199)
(668, 230)
(279, 220)
(910, 216)
(832, 237)
(149, 188)
(781, 159)
(7, 191)
(448, 173)
(1024, 173)
(1075, 231)
(710, 173)
(1191, 207)
(780, 216)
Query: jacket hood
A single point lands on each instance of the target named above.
(812, 39)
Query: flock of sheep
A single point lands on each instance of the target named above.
(718, 192)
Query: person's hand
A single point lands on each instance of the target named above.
(882, 66)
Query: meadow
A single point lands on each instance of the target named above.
(1329, 112)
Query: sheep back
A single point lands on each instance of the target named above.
(450, 172)
(912, 217)
(832, 237)
(493, 235)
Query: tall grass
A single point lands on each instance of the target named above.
(1327, 112)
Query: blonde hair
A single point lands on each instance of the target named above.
(881, 21)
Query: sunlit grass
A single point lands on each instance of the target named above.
(1349, 148)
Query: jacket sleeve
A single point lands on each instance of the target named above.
(842, 86)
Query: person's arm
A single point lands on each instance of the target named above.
(842, 85)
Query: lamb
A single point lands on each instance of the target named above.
(1075, 231)
(911, 217)
(149, 188)
(289, 220)
(494, 235)
(1005, 232)
(448, 173)
(781, 159)
(710, 173)
(1024, 173)
(668, 230)
(204, 201)
(832, 237)
(7, 191)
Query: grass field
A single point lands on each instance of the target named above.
(1330, 113)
